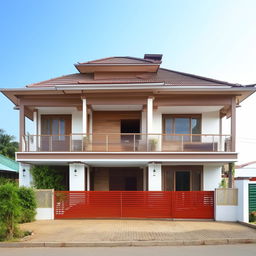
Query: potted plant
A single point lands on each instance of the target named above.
(153, 144)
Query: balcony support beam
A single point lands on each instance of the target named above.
(22, 126)
(233, 125)
(84, 120)
(150, 115)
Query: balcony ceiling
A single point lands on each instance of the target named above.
(117, 107)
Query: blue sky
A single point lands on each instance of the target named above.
(43, 39)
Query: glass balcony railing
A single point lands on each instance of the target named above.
(127, 142)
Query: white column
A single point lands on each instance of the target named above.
(211, 177)
(25, 177)
(88, 178)
(84, 118)
(76, 177)
(150, 115)
(91, 120)
(144, 179)
(154, 177)
(243, 200)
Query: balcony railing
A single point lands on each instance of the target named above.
(127, 142)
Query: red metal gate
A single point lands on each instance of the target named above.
(134, 204)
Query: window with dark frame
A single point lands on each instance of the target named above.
(176, 125)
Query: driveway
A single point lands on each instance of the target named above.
(134, 230)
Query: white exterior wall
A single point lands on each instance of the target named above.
(226, 212)
(77, 177)
(25, 177)
(154, 177)
(44, 214)
(210, 122)
(243, 200)
(76, 123)
(143, 122)
(211, 177)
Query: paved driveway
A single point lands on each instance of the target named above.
(134, 230)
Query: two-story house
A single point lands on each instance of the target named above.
(127, 124)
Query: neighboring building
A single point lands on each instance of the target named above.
(8, 168)
(247, 170)
(125, 123)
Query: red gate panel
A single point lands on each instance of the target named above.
(134, 204)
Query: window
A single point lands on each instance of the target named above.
(186, 125)
(55, 130)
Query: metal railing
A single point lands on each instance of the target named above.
(127, 142)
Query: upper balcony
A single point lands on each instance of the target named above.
(127, 126)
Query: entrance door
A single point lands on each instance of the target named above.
(182, 181)
(130, 183)
(55, 130)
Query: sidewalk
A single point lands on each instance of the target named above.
(134, 233)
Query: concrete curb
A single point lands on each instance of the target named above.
(247, 224)
(128, 243)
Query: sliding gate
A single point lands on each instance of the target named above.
(134, 204)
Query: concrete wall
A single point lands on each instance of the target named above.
(44, 213)
(226, 212)
(44, 199)
(211, 176)
(226, 204)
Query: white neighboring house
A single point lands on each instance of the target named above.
(247, 170)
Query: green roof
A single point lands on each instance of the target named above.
(7, 164)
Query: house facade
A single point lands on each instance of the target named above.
(127, 124)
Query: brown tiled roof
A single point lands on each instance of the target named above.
(121, 60)
(169, 77)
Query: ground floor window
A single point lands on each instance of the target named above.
(182, 178)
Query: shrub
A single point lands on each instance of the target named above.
(45, 177)
(6, 180)
(28, 204)
(252, 216)
(10, 210)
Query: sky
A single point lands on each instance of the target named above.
(213, 38)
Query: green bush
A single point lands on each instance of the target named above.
(10, 210)
(27, 203)
(252, 216)
(6, 180)
(45, 177)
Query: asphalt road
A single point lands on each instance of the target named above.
(234, 250)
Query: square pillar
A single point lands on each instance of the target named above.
(233, 125)
(84, 117)
(25, 177)
(154, 177)
(76, 177)
(22, 128)
(150, 114)
(88, 178)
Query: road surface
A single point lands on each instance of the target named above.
(234, 250)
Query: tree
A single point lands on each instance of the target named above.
(8, 146)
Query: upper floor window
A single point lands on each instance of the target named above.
(182, 127)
